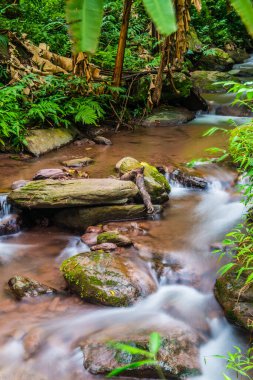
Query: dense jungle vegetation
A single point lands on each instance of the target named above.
(56, 73)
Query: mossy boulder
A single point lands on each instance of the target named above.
(156, 184)
(178, 356)
(205, 81)
(72, 193)
(106, 278)
(215, 59)
(41, 141)
(26, 287)
(78, 162)
(193, 42)
(235, 298)
(113, 237)
(80, 218)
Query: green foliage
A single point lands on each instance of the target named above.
(245, 10)
(85, 19)
(58, 101)
(148, 358)
(219, 25)
(240, 363)
(42, 21)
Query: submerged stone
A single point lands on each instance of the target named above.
(74, 192)
(114, 237)
(106, 278)
(26, 287)
(78, 162)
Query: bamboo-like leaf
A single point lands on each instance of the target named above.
(245, 10)
(85, 19)
(154, 343)
(119, 370)
(163, 14)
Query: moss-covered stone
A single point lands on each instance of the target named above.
(157, 185)
(236, 299)
(114, 237)
(26, 287)
(216, 59)
(103, 278)
(40, 141)
(193, 42)
(73, 192)
(205, 81)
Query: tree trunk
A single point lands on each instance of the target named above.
(118, 69)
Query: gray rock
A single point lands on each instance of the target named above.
(106, 247)
(71, 193)
(102, 140)
(18, 184)
(11, 224)
(50, 174)
(78, 162)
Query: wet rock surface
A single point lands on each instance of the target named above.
(169, 115)
(106, 278)
(50, 174)
(236, 299)
(70, 193)
(26, 287)
(114, 237)
(178, 356)
(11, 224)
(101, 140)
(187, 180)
(82, 217)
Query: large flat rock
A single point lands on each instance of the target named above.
(73, 193)
(41, 141)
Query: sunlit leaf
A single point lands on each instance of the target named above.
(154, 343)
(85, 19)
(117, 371)
(163, 14)
(245, 10)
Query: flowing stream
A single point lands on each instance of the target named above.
(38, 337)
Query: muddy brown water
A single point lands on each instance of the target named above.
(37, 337)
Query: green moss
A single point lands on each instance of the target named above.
(108, 237)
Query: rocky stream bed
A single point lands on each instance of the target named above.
(82, 262)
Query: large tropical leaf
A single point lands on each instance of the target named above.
(163, 14)
(245, 10)
(85, 19)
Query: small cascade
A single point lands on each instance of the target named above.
(5, 207)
